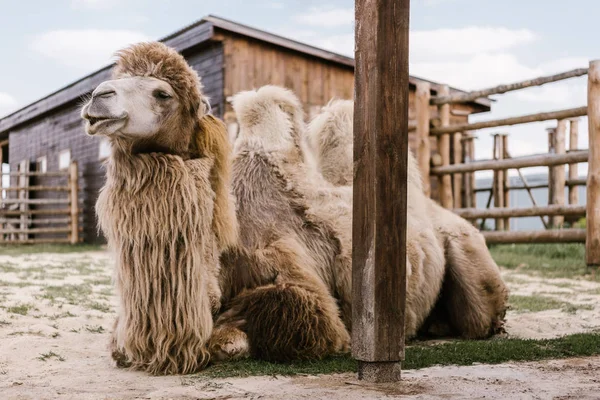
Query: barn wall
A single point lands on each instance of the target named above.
(63, 129)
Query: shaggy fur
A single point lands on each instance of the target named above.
(166, 212)
(473, 300)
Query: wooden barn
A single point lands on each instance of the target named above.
(44, 139)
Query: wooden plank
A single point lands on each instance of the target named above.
(39, 189)
(474, 95)
(35, 241)
(38, 174)
(445, 181)
(523, 119)
(380, 190)
(36, 221)
(574, 167)
(34, 201)
(476, 213)
(65, 211)
(558, 172)
(540, 160)
(422, 96)
(35, 230)
(498, 181)
(551, 150)
(592, 251)
(74, 199)
(23, 196)
(545, 236)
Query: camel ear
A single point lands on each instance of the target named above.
(212, 141)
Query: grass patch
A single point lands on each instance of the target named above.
(12, 250)
(21, 309)
(73, 294)
(99, 307)
(563, 260)
(49, 355)
(534, 303)
(67, 314)
(94, 329)
(422, 356)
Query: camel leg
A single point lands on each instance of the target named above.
(474, 294)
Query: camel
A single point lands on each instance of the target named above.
(165, 208)
(296, 227)
(473, 299)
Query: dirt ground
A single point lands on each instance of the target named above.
(56, 311)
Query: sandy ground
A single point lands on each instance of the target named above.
(56, 311)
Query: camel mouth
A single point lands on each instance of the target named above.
(96, 123)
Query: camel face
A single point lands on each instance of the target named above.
(133, 107)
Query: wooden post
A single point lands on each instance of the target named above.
(445, 181)
(558, 174)
(592, 249)
(573, 168)
(380, 190)
(422, 98)
(472, 174)
(498, 180)
(505, 183)
(551, 150)
(74, 202)
(457, 178)
(23, 182)
(467, 175)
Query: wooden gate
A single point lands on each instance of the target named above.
(44, 212)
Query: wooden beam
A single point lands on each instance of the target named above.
(574, 167)
(498, 181)
(524, 119)
(505, 182)
(540, 160)
(545, 236)
(476, 213)
(457, 179)
(422, 96)
(592, 252)
(39, 188)
(445, 181)
(466, 97)
(64, 211)
(380, 190)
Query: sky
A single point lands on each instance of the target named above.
(466, 43)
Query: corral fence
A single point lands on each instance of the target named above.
(454, 165)
(40, 207)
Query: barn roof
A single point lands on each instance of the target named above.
(186, 39)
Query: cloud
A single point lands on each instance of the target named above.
(326, 17)
(275, 5)
(442, 43)
(7, 103)
(94, 4)
(83, 49)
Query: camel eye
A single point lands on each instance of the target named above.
(160, 94)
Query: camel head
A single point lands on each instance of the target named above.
(154, 103)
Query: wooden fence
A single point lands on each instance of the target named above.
(25, 218)
(454, 166)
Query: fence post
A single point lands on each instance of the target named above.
(558, 176)
(444, 150)
(573, 168)
(23, 182)
(380, 190)
(422, 97)
(551, 150)
(592, 252)
(505, 183)
(74, 197)
(498, 181)
(457, 179)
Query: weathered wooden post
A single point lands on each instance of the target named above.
(380, 190)
(498, 185)
(551, 150)
(592, 250)
(422, 97)
(457, 179)
(505, 183)
(558, 173)
(445, 181)
(74, 202)
(573, 168)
